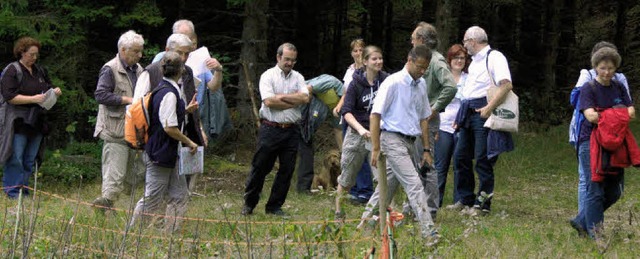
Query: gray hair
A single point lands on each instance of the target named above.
(129, 39)
(420, 51)
(428, 34)
(602, 44)
(178, 23)
(478, 34)
(172, 64)
(287, 45)
(177, 40)
(606, 54)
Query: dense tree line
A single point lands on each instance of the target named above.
(546, 42)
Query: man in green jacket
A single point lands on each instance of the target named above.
(441, 88)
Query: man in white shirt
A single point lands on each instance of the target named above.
(472, 139)
(282, 90)
(399, 116)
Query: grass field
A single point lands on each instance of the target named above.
(535, 195)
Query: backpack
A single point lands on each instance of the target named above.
(137, 120)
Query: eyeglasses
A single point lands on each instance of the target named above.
(292, 60)
(458, 58)
(465, 40)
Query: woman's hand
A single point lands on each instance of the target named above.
(364, 133)
(57, 91)
(336, 112)
(38, 98)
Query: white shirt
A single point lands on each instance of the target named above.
(348, 76)
(142, 85)
(478, 80)
(274, 81)
(167, 112)
(448, 116)
(402, 102)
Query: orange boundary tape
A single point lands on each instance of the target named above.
(199, 219)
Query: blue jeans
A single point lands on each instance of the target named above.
(445, 145)
(472, 144)
(364, 183)
(599, 197)
(584, 172)
(19, 166)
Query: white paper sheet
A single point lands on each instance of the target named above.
(50, 99)
(191, 163)
(197, 59)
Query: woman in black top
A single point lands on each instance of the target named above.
(22, 86)
(356, 110)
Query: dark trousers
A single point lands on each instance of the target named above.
(443, 152)
(305, 166)
(472, 144)
(364, 183)
(273, 142)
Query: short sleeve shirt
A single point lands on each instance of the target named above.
(273, 82)
(599, 96)
(167, 112)
(479, 79)
(402, 102)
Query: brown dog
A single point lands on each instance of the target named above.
(327, 174)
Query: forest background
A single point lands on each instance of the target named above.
(546, 42)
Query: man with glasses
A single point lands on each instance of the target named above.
(441, 88)
(121, 166)
(474, 111)
(282, 90)
(399, 117)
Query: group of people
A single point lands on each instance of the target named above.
(426, 109)
(174, 121)
(420, 118)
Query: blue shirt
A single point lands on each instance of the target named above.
(402, 102)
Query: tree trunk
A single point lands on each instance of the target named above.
(307, 41)
(377, 22)
(447, 23)
(252, 58)
(429, 11)
(389, 29)
(340, 17)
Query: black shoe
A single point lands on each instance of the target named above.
(246, 210)
(277, 212)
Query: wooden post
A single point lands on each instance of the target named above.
(251, 94)
(382, 184)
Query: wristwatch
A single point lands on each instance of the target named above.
(428, 150)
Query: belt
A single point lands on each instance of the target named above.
(406, 137)
(277, 125)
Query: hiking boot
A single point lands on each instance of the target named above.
(246, 210)
(432, 238)
(477, 211)
(102, 204)
(575, 225)
(277, 212)
(458, 206)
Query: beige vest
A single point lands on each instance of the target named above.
(110, 120)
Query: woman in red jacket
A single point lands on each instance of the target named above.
(601, 92)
